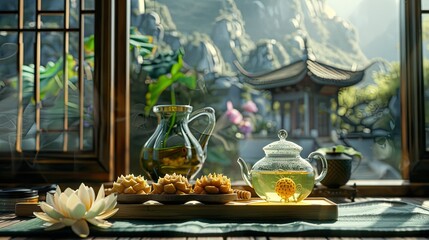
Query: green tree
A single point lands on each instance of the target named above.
(366, 107)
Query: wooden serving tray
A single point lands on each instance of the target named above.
(177, 199)
(249, 210)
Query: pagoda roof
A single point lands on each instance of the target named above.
(320, 73)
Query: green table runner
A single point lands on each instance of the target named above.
(371, 218)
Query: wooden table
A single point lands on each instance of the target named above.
(8, 219)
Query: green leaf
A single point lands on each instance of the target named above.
(89, 44)
(341, 149)
(145, 52)
(141, 38)
(141, 44)
(51, 71)
(155, 91)
(189, 81)
(177, 66)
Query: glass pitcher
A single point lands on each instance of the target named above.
(173, 148)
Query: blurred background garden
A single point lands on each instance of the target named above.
(339, 81)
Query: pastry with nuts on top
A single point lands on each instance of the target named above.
(130, 184)
(213, 184)
(172, 184)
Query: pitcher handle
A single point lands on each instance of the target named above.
(322, 159)
(209, 112)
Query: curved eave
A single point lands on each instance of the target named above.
(284, 76)
(324, 74)
(293, 73)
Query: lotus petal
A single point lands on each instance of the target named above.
(84, 196)
(110, 202)
(99, 223)
(55, 226)
(48, 224)
(68, 192)
(45, 217)
(62, 204)
(50, 199)
(91, 194)
(57, 200)
(58, 190)
(107, 214)
(95, 210)
(68, 221)
(100, 194)
(48, 209)
(75, 207)
(81, 228)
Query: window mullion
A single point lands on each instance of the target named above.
(20, 63)
(65, 73)
(37, 73)
(81, 73)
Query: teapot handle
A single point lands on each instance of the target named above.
(322, 159)
(208, 130)
(357, 165)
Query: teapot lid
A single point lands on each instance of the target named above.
(334, 154)
(282, 147)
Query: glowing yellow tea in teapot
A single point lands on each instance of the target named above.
(283, 175)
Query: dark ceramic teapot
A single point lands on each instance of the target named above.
(339, 168)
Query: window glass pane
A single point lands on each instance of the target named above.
(89, 4)
(29, 42)
(328, 73)
(29, 13)
(74, 13)
(89, 64)
(8, 98)
(53, 5)
(9, 5)
(8, 20)
(425, 4)
(59, 116)
(52, 21)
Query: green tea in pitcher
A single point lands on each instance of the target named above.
(180, 160)
(173, 148)
(283, 186)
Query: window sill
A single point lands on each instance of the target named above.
(389, 188)
(368, 188)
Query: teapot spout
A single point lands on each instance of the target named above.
(245, 173)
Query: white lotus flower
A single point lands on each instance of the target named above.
(77, 207)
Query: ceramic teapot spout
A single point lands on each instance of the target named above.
(245, 173)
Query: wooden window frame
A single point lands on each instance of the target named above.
(415, 156)
(111, 83)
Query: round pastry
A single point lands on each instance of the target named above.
(172, 184)
(213, 184)
(130, 184)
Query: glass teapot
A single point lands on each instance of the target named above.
(173, 148)
(283, 175)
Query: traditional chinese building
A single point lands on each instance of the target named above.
(305, 90)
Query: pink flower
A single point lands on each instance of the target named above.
(246, 127)
(233, 114)
(250, 106)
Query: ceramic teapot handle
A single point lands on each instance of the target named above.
(322, 159)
